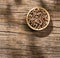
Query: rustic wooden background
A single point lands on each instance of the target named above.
(17, 40)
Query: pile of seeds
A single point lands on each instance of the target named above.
(37, 18)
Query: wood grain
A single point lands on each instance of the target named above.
(17, 40)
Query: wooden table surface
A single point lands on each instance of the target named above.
(17, 40)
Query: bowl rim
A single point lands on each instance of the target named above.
(44, 26)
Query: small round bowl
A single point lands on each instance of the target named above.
(38, 18)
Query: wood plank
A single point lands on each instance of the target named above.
(17, 40)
